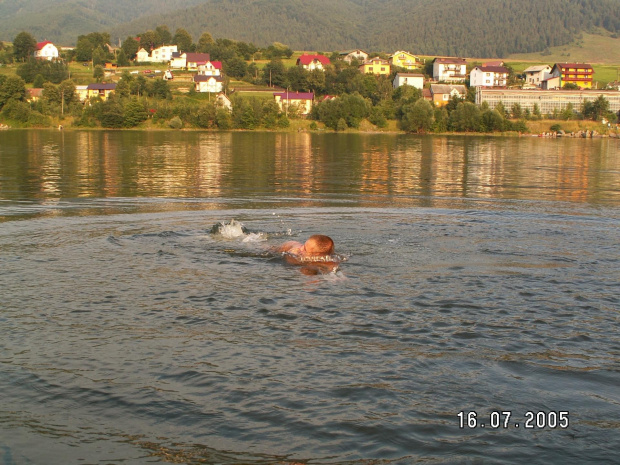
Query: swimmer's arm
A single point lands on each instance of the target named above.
(289, 246)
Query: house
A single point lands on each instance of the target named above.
(442, 93)
(311, 62)
(101, 90)
(409, 79)
(188, 60)
(33, 94)
(46, 51)
(375, 65)
(488, 76)
(204, 83)
(449, 69)
(161, 54)
(210, 68)
(535, 75)
(81, 92)
(222, 101)
(356, 54)
(551, 83)
(143, 56)
(301, 100)
(614, 85)
(573, 73)
(404, 60)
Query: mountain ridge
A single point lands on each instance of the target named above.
(491, 28)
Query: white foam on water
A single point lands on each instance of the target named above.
(231, 230)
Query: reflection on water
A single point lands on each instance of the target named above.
(481, 274)
(48, 165)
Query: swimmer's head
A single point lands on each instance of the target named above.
(319, 245)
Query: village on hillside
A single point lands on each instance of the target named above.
(338, 90)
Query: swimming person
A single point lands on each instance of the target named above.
(316, 255)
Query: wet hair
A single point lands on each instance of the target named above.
(320, 245)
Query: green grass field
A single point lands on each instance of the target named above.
(591, 48)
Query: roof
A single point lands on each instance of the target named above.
(295, 95)
(203, 78)
(410, 75)
(402, 51)
(307, 59)
(426, 93)
(492, 69)
(447, 88)
(101, 86)
(35, 91)
(536, 69)
(197, 57)
(371, 61)
(40, 45)
(573, 65)
(449, 60)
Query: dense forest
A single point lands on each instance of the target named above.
(488, 28)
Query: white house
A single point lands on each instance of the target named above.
(208, 83)
(210, 68)
(409, 79)
(143, 56)
(449, 69)
(488, 76)
(161, 54)
(188, 60)
(46, 51)
(357, 54)
(535, 75)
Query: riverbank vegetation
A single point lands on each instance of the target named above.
(345, 99)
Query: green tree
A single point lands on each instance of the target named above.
(466, 118)
(517, 111)
(274, 73)
(235, 67)
(98, 56)
(596, 109)
(84, 49)
(98, 73)
(417, 117)
(38, 81)
(134, 114)
(205, 42)
(182, 39)
(121, 59)
(13, 88)
(24, 46)
(130, 47)
(110, 114)
(148, 40)
(492, 121)
(164, 35)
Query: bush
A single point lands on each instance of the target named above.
(175, 123)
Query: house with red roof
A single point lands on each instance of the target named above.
(311, 62)
(488, 76)
(295, 101)
(46, 51)
(210, 68)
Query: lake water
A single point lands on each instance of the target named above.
(480, 275)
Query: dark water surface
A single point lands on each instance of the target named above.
(482, 274)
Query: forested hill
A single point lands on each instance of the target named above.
(486, 28)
